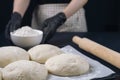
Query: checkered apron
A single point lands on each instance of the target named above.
(76, 23)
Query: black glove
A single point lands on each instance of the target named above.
(50, 26)
(13, 24)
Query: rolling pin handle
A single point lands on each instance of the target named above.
(76, 40)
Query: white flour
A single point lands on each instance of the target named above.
(25, 31)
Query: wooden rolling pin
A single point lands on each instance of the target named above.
(98, 50)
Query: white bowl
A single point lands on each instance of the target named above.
(27, 41)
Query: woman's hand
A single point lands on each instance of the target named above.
(19, 9)
(13, 24)
(50, 26)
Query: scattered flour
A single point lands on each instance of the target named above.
(25, 31)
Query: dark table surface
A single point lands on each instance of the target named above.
(108, 39)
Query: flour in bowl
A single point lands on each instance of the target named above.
(26, 31)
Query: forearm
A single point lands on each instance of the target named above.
(21, 6)
(73, 7)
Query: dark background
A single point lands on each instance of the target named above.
(101, 15)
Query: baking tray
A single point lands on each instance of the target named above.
(97, 70)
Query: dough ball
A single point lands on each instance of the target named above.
(41, 53)
(67, 65)
(11, 53)
(25, 70)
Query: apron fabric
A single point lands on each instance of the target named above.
(76, 23)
